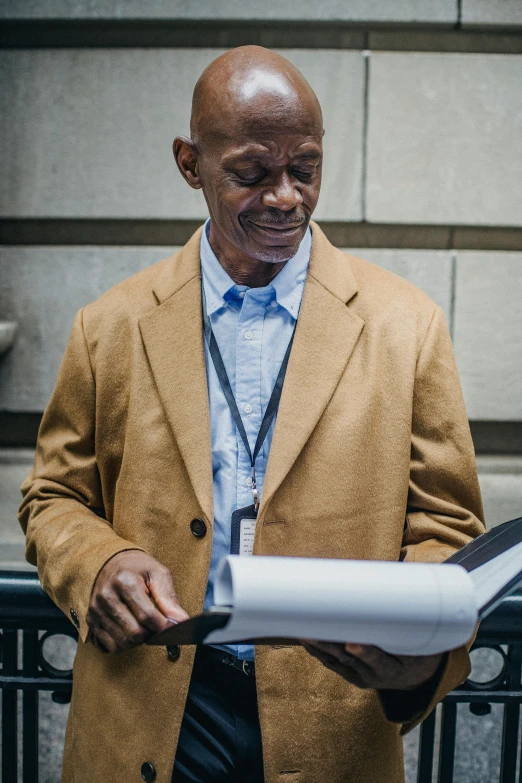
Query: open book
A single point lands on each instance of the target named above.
(403, 608)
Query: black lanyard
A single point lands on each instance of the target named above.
(273, 402)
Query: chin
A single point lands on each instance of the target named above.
(264, 248)
(276, 255)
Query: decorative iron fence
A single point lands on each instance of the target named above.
(28, 618)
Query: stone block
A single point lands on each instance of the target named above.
(430, 270)
(444, 139)
(15, 464)
(338, 80)
(443, 11)
(88, 132)
(501, 485)
(487, 333)
(42, 288)
(488, 13)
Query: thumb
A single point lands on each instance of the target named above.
(161, 588)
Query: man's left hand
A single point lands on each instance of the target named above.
(371, 667)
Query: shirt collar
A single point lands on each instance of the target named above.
(288, 284)
(215, 280)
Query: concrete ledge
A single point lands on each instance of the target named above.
(103, 231)
(18, 429)
(441, 12)
(319, 34)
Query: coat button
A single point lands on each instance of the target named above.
(198, 528)
(173, 651)
(148, 773)
(75, 618)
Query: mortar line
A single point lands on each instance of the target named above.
(366, 53)
(453, 294)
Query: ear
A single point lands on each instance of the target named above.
(186, 157)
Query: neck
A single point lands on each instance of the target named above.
(242, 269)
(254, 274)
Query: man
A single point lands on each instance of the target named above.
(149, 453)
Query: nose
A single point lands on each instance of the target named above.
(283, 194)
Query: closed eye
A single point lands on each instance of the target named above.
(304, 175)
(251, 176)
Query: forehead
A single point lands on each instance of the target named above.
(266, 135)
(251, 116)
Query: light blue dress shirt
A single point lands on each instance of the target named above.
(253, 327)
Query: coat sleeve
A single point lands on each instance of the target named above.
(444, 509)
(61, 513)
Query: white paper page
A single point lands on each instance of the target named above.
(404, 608)
(491, 577)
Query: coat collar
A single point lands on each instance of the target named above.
(326, 334)
(184, 266)
(173, 337)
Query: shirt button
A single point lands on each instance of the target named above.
(242, 294)
(273, 304)
(248, 481)
(247, 408)
(249, 335)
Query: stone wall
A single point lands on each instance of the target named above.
(423, 175)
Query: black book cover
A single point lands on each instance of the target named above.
(478, 552)
(489, 545)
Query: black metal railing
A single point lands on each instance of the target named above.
(28, 618)
(501, 632)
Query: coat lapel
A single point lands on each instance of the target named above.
(326, 334)
(173, 339)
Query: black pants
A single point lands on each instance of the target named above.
(220, 738)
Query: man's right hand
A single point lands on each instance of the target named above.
(133, 598)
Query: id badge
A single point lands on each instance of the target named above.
(243, 530)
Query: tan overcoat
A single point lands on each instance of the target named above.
(371, 457)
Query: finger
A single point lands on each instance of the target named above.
(333, 664)
(331, 648)
(137, 597)
(119, 621)
(104, 640)
(373, 657)
(318, 652)
(108, 612)
(381, 664)
(335, 649)
(162, 590)
(109, 605)
(339, 653)
(116, 633)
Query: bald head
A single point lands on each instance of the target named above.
(256, 152)
(249, 88)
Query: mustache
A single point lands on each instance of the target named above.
(276, 218)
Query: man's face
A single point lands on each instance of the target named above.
(262, 187)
